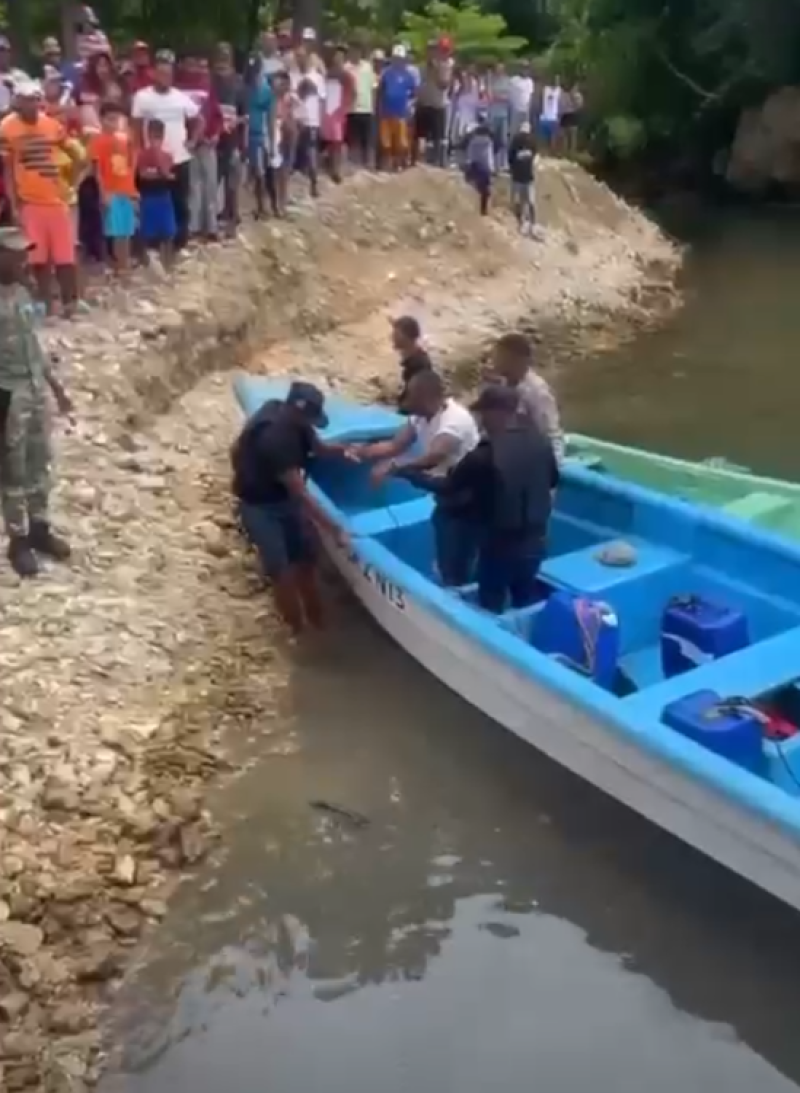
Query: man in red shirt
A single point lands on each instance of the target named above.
(195, 81)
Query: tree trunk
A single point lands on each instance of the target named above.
(19, 29)
(253, 8)
(68, 17)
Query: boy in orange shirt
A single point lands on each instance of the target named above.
(111, 152)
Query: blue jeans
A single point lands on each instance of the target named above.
(456, 546)
(281, 534)
(507, 571)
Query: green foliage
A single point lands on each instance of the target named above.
(674, 74)
(477, 35)
(662, 77)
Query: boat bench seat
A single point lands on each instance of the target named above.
(583, 571)
(378, 521)
(751, 672)
(757, 506)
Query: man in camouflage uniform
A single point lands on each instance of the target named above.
(25, 375)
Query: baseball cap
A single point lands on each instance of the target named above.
(165, 57)
(496, 397)
(13, 239)
(140, 47)
(309, 34)
(27, 88)
(308, 398)
(399, 51)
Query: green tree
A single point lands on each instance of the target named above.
(672, 77)
(476, 35)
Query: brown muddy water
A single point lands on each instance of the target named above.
(497, 924)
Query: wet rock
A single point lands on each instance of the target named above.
(124, 921)
(69, 1018)
(185, 804)
(76, 888)
(13, 1006)
(59, 797)
(17, 1077)
(193, 844)
(46, 972)
(21, 1045)
(20, 938)
(102, 962)
(153, 908)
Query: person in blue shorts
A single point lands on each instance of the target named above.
(154, 177)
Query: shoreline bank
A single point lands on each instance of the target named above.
(123, 673)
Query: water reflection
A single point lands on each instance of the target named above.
(497, 918)
(721, 378)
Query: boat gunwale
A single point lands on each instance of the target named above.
(731, 476)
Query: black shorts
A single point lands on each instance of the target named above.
(359, 131)
(430, 123)
(570, 120)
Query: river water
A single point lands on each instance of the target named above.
(496, 923)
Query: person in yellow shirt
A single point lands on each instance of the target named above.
(71, 161)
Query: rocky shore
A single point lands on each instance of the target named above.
(121, 675)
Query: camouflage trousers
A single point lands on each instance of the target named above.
(25, 460)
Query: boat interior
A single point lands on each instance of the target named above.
(677, 614)
(766, 505)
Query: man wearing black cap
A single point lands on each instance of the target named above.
(503, 487)
(270, 461)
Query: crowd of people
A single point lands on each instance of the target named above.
(115, 154)
(118, 153)
(491, 467)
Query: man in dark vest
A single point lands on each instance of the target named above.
(270, 460)
(504, 488)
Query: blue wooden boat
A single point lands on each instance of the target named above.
(671, 682)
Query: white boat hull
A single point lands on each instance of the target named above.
(742, 842)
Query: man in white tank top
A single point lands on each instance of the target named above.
(550, 116)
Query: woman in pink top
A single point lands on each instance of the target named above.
(339, 94)
(100, 84)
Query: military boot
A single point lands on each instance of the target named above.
(22, 559)
(42, 539)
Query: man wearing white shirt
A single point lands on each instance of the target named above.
(521, 91)
(179, 114)
(442, 431)
(309, 85)
(550, 117)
